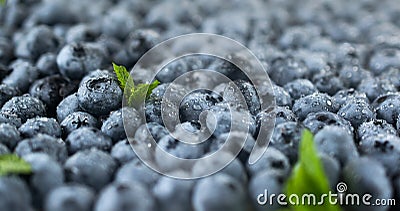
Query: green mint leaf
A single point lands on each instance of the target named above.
(308, 177)
(140, 92)
(123, 76)
(3, 2)
(12, 164)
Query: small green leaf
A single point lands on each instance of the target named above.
(308, 177)
(12, 164)
(123, 76)
(140, 92)
(3, 2)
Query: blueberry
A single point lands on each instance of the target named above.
(392, 74)
(346, 95)
(270, 180)
(93, 168)
(173, 194)
(300, 88)
(356, 112)
(47, 64)
(386, 107)
(99, 96)
(70, 197)
(383, 59)
(9, 135)
(281, 115)
(234, 137)
(153, 109)
(314, 103)
(14, 194)
(245, 89)
(234, 168)
(6, 50)
(22, 76)
(194, 103)
(25, 107)
(334, 141)
(47, 175)
(398, 124)
(298, 37)
(10, 118)
(42, 125)
(375, 127)
(81, 33)
(374, 87)
(219, 192)
(352, 75)
(317, 121)
(364, 175)
(226, 68)
(51, 90)
(172, 70)
(222, 120)
(327, 82)
(115, 127)
(118, 22)
(77, 59)
(38, 40)
(150, 130)
(53, 147)
(385, 149)
(67, 106)
(125, 196)
(77, 120)
(273, 160)
(140, 41)
(123, 152)
(287, 70)
(4, 149)
(282, 97)
(57, 12)
(98, 74)
(86, 138)
(286, 138)
(6, 93)
(136, 171)
(331, 168)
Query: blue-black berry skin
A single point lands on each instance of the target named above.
(287, 70)
(282, 97)
(343, 96)
(137, 171)
(387, 107)
(92, 167)
(173, 194)
(77, 120)
(271, 160)
(25, 107)
(125, 196)
(70, 197)
(195, 103)
(9, 135)
(22, 76)
(78, 59)
(42, 125)
(219, 192)
(7, 92)
(14, 194)
(317, 121)
(365, 175)
(352, 75)
(374, 87)
(51, 90)
(47, 64)
(375, 127)
(383, 59)
(385, 149)
(300, 88)
(86, 138)
(39, 40)
(100, 95)
(67, 106)
(327, 82)
(53, 147)
(314, 103)
(115, 125)
(47, 175)
(356, 112)
(286, 138)
(123, 152)
(9, 118)
(336, 142)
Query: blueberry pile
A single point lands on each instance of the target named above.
(334, 65)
